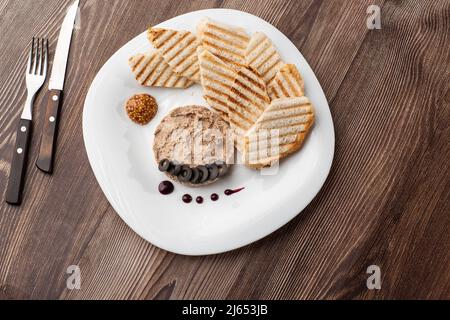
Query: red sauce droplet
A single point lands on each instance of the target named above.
(199, 199)
(214, 197)
(229, 192)
(165, 187)
(186, 198)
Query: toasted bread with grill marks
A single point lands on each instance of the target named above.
(179, 50)
(287, 83)
(226, 42)
(263, 57)
(217, 78)
(279, 132)
(247, 100)
(151, 70)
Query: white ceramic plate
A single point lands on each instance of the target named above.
(121, 156)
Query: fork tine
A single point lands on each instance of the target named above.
(39, 57)
(44, 73)
(30, 55)
(35, 56)
(39, 53)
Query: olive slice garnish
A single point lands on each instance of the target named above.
(213, 171)
(205, 173)
(174, 168)
(164, 165)
(185, 173)
(222, 168)
(196, 175)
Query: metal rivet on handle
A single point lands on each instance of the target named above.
(19, 150)
(55, 97)
(51, 119)
(23, 128)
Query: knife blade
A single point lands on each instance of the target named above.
(62, 49)
(54, 96)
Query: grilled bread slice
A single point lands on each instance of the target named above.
(263, 57)
(247, 100)
(151, 70)
(217, 78)
(279, 132)
(288, 83)
(179, 50)
(226, 42)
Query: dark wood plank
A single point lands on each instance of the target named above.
(385, 201)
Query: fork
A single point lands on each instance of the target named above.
(35, 76)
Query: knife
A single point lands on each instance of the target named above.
(55, 90)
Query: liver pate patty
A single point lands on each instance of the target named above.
(194, 136)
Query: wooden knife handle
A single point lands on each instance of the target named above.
(49, 131)
(19, 163)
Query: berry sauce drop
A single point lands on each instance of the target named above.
(165, 187)
(199, 199)
(186, 198)
(214, 197)
(229, 192)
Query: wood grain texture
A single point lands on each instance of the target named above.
(385, 202)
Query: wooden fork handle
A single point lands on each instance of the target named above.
(19, 163)
(49, 132)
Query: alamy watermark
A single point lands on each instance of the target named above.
(374, 280)
(74, 280)
(199, 145)
(374, 19)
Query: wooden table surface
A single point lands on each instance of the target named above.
(386, 201)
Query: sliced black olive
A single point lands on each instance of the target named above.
(196, 175)
(185, 173)
(213, 171)
(222, 168)
(205, 173)
(174, 168)
(164, 165)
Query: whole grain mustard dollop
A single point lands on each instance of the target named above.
(141, 108)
